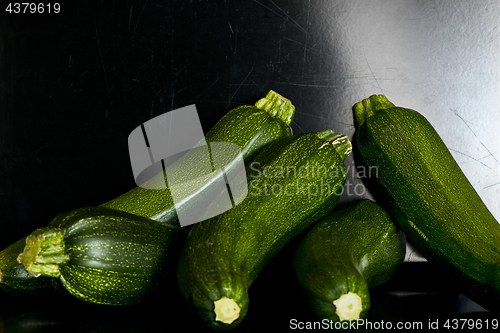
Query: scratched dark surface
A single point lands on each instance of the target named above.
(75, 84)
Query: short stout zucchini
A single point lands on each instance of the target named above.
(293, 182)
(250, 127)
(104, 256)
(423, 189)
(355, 248)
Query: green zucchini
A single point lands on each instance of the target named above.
(250, 127)
(426, 193)
(104, 256)
(293, 182)
(355, 248)
(14, 279)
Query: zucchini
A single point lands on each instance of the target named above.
(293, 182)
(355, 248)
(425, 192)
(104, 256)
(250, 127)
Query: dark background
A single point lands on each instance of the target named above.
(73, 85)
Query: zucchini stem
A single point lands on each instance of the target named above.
(348, 306)
(44, 252)
(277, 106)
(369, 107)
(226, 310)
(340, 142)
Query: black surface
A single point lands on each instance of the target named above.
(75, 84)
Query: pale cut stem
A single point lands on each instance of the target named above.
(348, 306)
(226, 310)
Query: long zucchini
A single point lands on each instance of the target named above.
(293, 182)
(355, 248)
(426, 193)
(250, 127)
(104, 256)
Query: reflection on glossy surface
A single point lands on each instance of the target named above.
(416, 294)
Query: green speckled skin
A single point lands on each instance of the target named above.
(224, 255)
(248, 126)
(353, 249)
(426, 193)
(115, 258)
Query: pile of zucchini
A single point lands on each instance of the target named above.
(123, 251)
